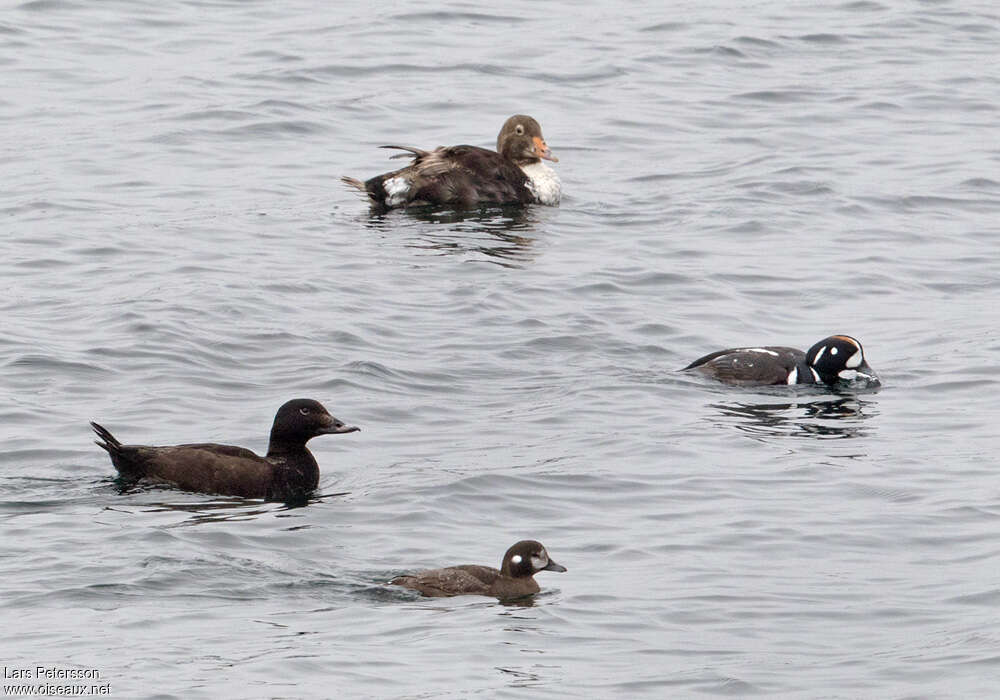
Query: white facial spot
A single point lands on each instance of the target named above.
(516, 559)
(833, 351)
(847, 374)
(793, 376)
(539, 561)
(854, 360)
(819, 355)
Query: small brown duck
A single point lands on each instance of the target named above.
(466, 177)
(289, 472)
(514, 579)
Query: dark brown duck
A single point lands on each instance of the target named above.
(288, 472)
(514, 579)
(466, 177)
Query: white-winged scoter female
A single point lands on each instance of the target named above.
(514, 579)
(832, 360)
(288, 473)
(466, 177)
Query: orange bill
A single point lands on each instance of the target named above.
(542, 150)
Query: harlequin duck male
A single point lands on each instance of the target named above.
(466, 177)
(838, 358)
(515, 579)
(288, 473)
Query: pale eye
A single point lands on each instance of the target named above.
(304, 411)
(519, 130)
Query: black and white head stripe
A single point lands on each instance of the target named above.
(839, 357)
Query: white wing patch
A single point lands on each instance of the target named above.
(396, 189)
(763, 350)
(543, 183)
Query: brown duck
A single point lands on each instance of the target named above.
(514, 579)
(288, 472)
(465, 177)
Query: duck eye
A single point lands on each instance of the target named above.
(304, 411)
(519, 130)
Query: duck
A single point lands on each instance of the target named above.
(514, 578)
(467, 177)
(288, 472)
(836, 360)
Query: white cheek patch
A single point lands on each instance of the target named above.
(793, 376)
(854, 360)
(516, 559)
(396, 189)
(539, 562)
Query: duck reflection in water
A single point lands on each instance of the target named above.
(222, 509)
(843, 417)
(500, 233)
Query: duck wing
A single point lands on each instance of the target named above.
(203, 467)
(458, 176)
(749, 366)
(455, 580)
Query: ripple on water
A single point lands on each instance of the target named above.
(181, 259)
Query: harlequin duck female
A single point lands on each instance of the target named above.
(838, 358)
(288, 473)
(466, 177)
(515, 579)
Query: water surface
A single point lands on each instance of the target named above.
(180, 258)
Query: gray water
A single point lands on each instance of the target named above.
(179, 258)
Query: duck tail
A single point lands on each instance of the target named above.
(110, 442)
(355, 183)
